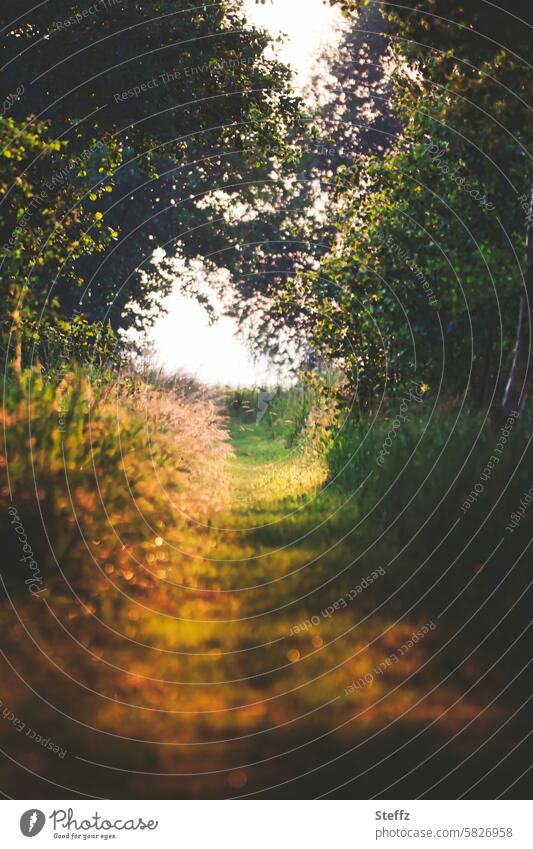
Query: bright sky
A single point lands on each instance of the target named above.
(308, 24)
(183, 338)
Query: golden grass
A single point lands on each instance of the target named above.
(170, 627)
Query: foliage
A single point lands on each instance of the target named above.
(291, 224)
(424, 274)
(146, 112)
(44, 231)
(422, 280)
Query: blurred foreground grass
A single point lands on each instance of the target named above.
(208, 604)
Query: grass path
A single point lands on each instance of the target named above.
(288, 647)
(233, 672)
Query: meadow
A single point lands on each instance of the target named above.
(229, 607)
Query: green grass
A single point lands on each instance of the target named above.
(259, 539)
(264, 471)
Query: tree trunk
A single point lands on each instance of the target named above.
(16, 331)
(489, 348)
(516, 389)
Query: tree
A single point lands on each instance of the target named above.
(183, 97)
(475, 91)
(518, 383)
(288, 223)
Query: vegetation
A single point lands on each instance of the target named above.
(318, 588)
(425, 274)
(124, 161)
(100, 449)
(155, 621)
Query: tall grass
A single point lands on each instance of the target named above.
(98, 468)
(174, 598)
(444, 490)
(298, 415)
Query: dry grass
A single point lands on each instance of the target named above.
(105, 468)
